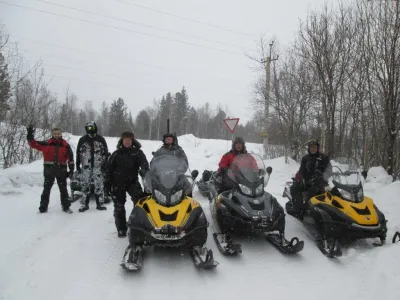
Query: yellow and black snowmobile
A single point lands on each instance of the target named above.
(168, 218)
(339, 211)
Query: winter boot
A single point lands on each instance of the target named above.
(122, 233)
(84, 208)
(67, 210)
(85, 205)
(99, 203)
(42, 209)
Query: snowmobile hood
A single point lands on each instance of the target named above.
(362, 213)
(178, 216)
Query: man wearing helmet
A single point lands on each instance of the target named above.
(92, 152)
(314, 163)
(170, 147)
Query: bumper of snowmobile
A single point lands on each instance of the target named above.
(354, 230)
(256, 223)
(171, 237)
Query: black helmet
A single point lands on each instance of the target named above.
(91, 127)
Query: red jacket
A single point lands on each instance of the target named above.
(227, 159)
(55, 151)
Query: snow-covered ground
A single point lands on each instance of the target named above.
(59, 256)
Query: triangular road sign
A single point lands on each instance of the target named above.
(231, 123)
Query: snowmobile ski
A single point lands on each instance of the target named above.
(203, 258)
(396, 237)
(133, 259)
(226, 245)
(283, 245)
(329, 248)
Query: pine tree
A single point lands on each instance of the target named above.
(5, 87)
(118, 119)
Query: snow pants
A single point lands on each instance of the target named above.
(135, 191)
(95, 176)
(51, 173)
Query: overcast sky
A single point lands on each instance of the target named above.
(140, 63)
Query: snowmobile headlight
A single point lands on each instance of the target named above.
(245, 190)
(175, 198)
(346, 195)
(260, 189)
(160, 197)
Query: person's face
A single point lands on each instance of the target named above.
(238, 147)
(313, 149)
(169, 140)
(127, 142)
(57, 134)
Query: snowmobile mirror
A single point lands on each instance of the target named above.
(194, 174)
(269, 170)
(364, 174)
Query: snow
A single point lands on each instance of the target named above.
(60, 256)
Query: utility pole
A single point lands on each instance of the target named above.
(267, 63)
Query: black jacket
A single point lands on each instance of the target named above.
(172, 149)
(314, 163)
(124, 164)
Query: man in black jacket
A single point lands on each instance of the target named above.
(314, 163)
(92, 152)
(122, 176)
(170, 146)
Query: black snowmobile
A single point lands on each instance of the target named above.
(168, 217)
(245, 207)
(339, 211)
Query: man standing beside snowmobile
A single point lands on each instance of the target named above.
(57, 153)
(238, 147)
(92, 152)
(122, 176)
(312, 164)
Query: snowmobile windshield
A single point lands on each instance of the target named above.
(167, 170)
(244, 169)
(347, 179)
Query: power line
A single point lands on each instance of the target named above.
(140, 24)
(119, 28)
(102, 55)
(187, 19)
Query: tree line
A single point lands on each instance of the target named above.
(340, 82)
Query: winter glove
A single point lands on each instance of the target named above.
(31, 131)
(70, 174)
(224, 171)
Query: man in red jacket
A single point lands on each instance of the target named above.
(57, 153)
(238, 147)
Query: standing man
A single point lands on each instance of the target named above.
(92, 152)
(57, 153)
(122, 176)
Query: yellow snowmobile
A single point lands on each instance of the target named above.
(168, 218)
(340, 210)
